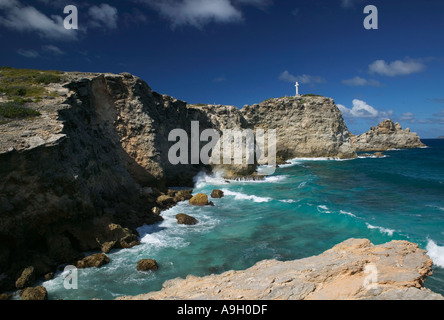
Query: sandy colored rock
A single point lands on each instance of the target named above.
(308, 126)
(352, 270)
(387, 135)
(34, 293)
(199, 199)
(26, 279)
(147, 264)
(93, 261)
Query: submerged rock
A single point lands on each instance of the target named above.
(217, 194)
(147, 264)
(183, 218)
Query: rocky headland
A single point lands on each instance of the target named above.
(385, 136)
(352, 270)
(84, 159)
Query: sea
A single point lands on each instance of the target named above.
(306, 207)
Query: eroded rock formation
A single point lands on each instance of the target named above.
(387, 135)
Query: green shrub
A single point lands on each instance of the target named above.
(312, 95)
(16, 110)
(26, 82)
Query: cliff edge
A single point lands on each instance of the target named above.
(352, 270)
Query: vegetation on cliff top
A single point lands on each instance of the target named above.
(21, 83)
(16, 110)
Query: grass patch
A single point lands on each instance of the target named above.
(312, 95)
(26, 83)
(16, 110)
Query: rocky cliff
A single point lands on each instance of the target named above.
(387, 135)
(307, 126)
(96, 157)
(352, 270)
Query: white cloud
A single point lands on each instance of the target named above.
(103, 16)
(29, 19)
(408, 116)
(361, 82)
(53, 50)
(28, 53)
(197, 12)
(303, 79)
(396, 68)
(361, 109)
(200, 12)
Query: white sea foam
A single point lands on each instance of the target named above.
(289, 201)
(243, 196)
(299, 161)
(381, 229)
(302, 184)
(323, 209)
(268, 179)
(436, 253)
(347, 213)
(203, 179)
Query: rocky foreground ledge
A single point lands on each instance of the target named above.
(352, 270)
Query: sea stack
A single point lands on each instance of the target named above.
(387, 135)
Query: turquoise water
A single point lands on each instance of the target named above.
(302, 210)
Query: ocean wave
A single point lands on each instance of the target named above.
(347, 213)
(435, 206)
(243, 196)
(381, 229)
(289, 201)
(202, 179)
(436, 253)
(300, 161)
(323, 209)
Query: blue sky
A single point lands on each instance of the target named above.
(241, 52)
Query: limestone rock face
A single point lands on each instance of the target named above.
(352, 270)
(387, 135)
(305, 126)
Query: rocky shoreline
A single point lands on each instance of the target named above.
(93, 166)
(352, 270)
